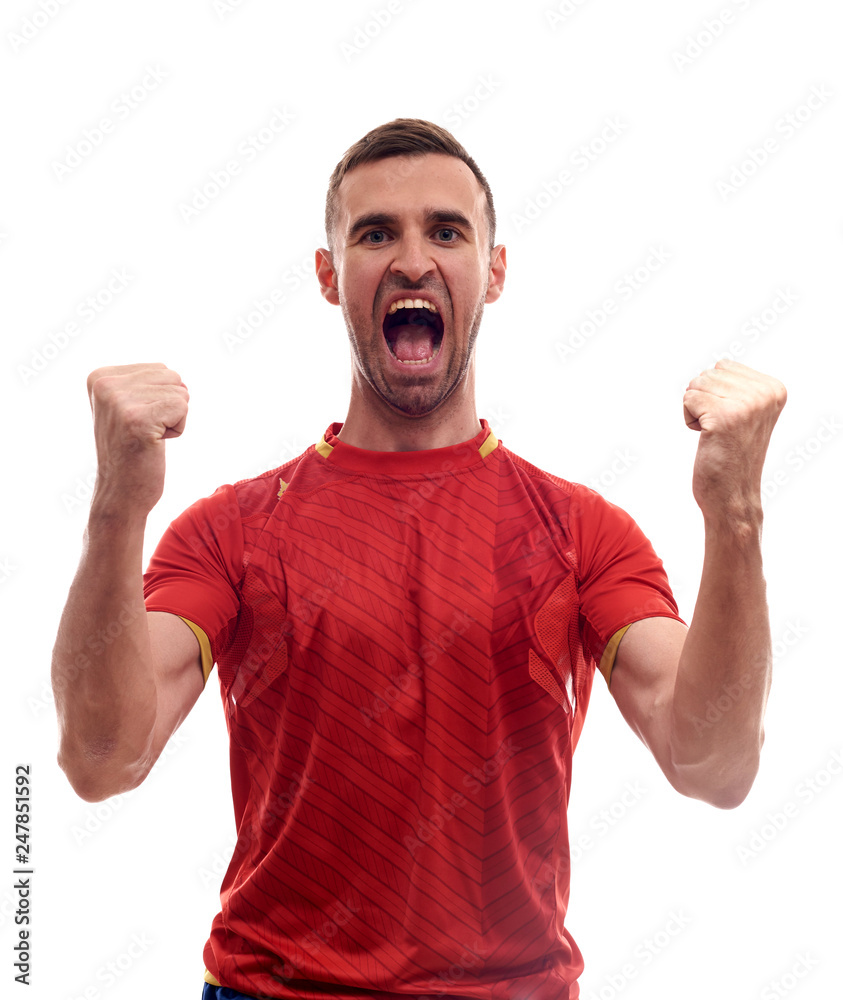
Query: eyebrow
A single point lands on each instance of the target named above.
(441, 215)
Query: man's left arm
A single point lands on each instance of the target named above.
(696, 696)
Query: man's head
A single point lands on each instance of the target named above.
(406, 137)
(411, 266)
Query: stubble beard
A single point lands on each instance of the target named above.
(410, 397)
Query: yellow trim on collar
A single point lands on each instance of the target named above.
(488, 445)
(324, 448)
(485, 449)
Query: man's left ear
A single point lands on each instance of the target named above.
(497, 273)
(327, 276)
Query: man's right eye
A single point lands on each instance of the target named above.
(376, 236)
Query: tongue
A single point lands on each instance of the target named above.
(411, 342)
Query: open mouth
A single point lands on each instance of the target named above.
(413, 330)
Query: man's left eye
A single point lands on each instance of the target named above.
(448, 235)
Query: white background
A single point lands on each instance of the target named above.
(532, 85)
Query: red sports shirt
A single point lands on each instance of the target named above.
(405, 643)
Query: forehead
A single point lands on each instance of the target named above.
(407, 185)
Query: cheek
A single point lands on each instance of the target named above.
(359, 289)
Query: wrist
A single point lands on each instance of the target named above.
(737, 529)
(737, 515)
(112, 515)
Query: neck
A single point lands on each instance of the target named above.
(373, 424)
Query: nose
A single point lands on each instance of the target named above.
(413, 257)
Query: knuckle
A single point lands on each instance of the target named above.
(103, 385)
(96, 377)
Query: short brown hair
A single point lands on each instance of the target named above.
(403, 137)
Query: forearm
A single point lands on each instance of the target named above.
(102, 669)
(724, 672)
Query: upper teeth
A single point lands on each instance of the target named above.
(412, 304)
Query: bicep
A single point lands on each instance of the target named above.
(179, 678)
(643, 679)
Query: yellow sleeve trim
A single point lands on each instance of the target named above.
(210, 979)
(607, 660)
(204, 649)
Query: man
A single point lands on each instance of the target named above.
(406, 621)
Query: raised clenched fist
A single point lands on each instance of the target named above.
(735, 409)
(136, 408)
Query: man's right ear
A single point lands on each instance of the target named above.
(327, 276)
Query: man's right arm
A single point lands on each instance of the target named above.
(123, 678)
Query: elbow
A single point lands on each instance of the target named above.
(728, 797)
(721, 777)
(721, 787)
(95, 777)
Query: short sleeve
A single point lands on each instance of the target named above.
(621, 580)
(196, 569)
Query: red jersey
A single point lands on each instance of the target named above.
(405, 644)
